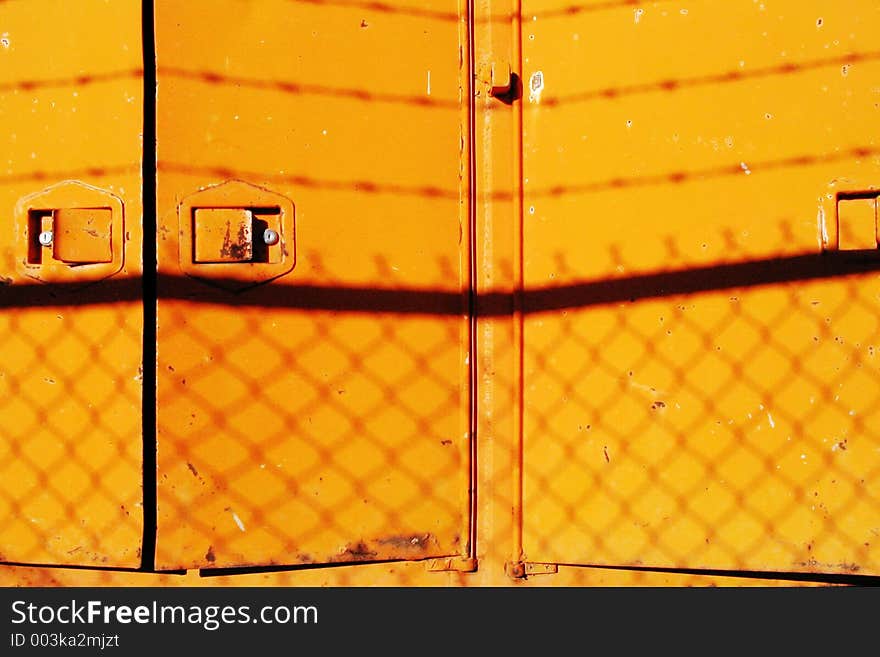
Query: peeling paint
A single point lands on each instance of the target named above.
(536, 87)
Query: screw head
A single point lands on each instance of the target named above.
(270, 237)
(46, 237)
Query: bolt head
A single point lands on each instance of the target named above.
(271, 237)
(46, 237)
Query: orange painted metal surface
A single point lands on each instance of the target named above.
(323, 416)
(70, 337)
(701, 368)
(566, 292)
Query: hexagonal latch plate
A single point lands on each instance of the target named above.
(70, 232)
(236, 235)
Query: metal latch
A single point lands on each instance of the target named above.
(236, 235)
(77, 235)
(70, 232)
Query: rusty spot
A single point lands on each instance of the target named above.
(813, 564)
(445, 442)
(209, 555)
(658, 405)
(408, 542)
(359, 551)
(192, 469)
(239, 249)
(605, 450)
(364, 23)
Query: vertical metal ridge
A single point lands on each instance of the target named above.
(518, 320)
(150, 295)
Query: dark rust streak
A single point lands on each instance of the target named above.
(359, 551)
(418, 542)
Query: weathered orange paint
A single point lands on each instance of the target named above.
(668, 361)
(319, 417)
(70, 337)
(704, 396)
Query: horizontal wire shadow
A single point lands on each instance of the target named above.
(354, 299)
(418, 12)
(385, 8)
(75, 80)
(71, 174)
(429, 191)
(736, 75)
(362, 186)
(302, 88)
(678, 177)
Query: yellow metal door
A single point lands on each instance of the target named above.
(313, 323)
(70, 287)
(701, 300)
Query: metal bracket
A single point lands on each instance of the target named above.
(524, 569)
(453, 564)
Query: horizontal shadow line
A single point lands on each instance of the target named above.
(70, 174)
(74, 80)
(429, 302)
(359, 186)
(107, 569)
(297, 88)
(728, 77)
(385, 8)
(256, 570)
(698, 175)
(820, 578)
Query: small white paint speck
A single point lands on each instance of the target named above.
(844, 70)
(637, 14)
(745, 168)
(822, 227)
(429, 82)
(683, 12)
(238, 521)
(770, 420)
(4, 42)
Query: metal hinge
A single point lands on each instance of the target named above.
(523, 569)
(453, 564)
